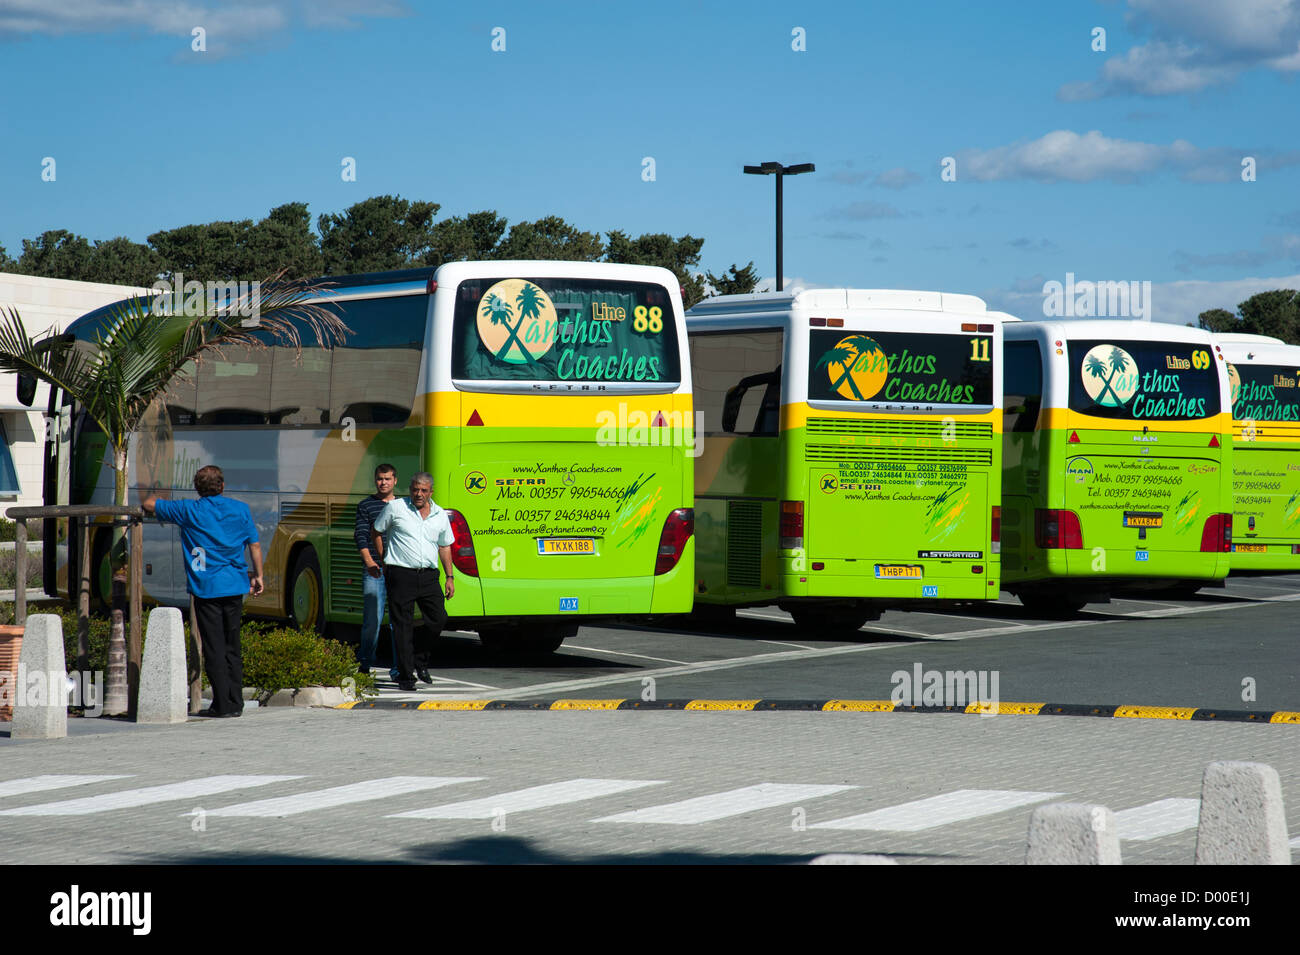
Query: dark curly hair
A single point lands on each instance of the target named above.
(209, 481)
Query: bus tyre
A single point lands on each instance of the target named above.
(835, 624)
(306, 593)
(1052, 606)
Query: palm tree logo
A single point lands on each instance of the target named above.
(1110, 375)
(516, 322)
(856, 367)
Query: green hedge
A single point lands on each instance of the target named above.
(8, 529)
(279, 658)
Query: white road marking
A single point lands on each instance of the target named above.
(734, 802)
(780, 643)
(622, 653)
(1295, 843)
(37, 784)
(1160, 818)
(938, 811)
(131, 798)
(535, 797)
(765, 614)
(466, 683)
(339, 796)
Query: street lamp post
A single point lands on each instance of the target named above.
(780, 171)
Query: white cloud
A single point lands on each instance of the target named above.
(1064, 155)
(1174, 302)
(1196, 44)
(1272, 248)
(896, 178)
(227, 25)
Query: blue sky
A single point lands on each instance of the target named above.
(1123, 164)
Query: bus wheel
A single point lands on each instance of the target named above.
(1052, 606)
(306, 594)
(835, 624)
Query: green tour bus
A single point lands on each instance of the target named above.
(551, 402)
(1264, 375)
(851, 456)
(1117, 461)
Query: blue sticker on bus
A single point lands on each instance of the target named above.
(1143, 555)
(930, 590)
(568, 603)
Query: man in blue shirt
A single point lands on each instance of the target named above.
(417, 537)
(214, 531)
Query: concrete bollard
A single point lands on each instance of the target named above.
(41, 690)
(1071, 833)
(1242, 820)
(851, 858)
(164, 689)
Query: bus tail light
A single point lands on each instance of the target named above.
(791, 524)
(678, 528)
(1295, 548)
(1057, 530)
(995, 531)
(462, 548)
(1216, 538)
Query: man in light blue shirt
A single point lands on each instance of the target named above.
(417, 535)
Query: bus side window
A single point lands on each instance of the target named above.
(769, 412)
(720, 363)
(373, 374)
(746, 403)
(1022, 386)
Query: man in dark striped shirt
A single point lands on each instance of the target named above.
(373, 592)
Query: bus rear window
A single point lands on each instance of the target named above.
(900, 367)
(1265, 392)
(565, 330)
(1143, 381)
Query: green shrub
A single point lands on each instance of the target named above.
(8, 529)
(279, 658)
(9, 570)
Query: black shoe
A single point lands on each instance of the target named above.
(423, 676)
(406, 686)
(208, 712)
(363, 669)
(213, 714)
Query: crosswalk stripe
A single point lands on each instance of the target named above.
(938, 811)
(37, 784)
(131, 798)
(734, 802)
(534, 797)
(338, 796)
(1163, 817)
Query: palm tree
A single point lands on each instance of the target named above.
(144, 343)
(1097, 369)
(845, 357)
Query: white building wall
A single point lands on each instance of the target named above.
(46, 306)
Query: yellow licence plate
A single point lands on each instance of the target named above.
(898, 570)
(1144, 520)
(1250, 549)
(566, 545)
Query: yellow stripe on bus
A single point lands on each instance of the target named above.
(1155, 712)
(1284, 716)
(585, 704)
(450, 409)
(1062, 418)
(721, 705)
(859, 706)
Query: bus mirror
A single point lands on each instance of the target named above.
(26, 389)
(731, 406)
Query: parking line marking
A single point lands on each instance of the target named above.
(935, 811)
(734, 802)
(534, 797)
(1163, 817)
(37, 784)
(338, 796)
(132, 798)
(621, 653)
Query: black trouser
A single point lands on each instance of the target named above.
(219, 619)
(408, 588)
